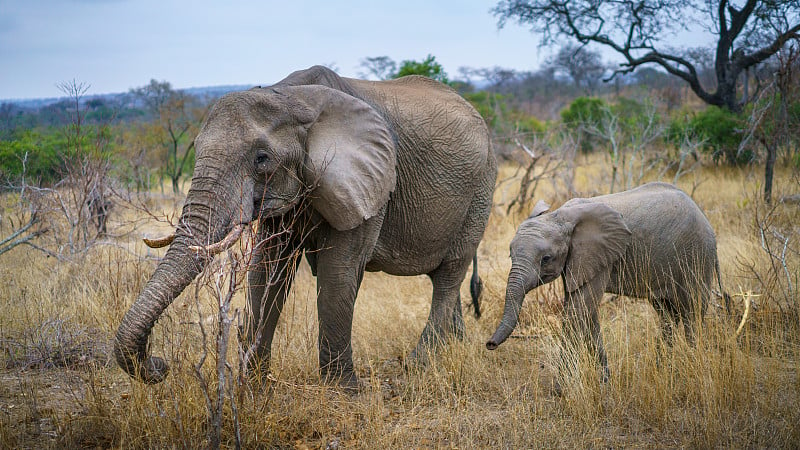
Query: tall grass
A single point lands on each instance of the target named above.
(59, 388)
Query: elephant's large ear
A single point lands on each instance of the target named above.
(599, 239)
(350, 159)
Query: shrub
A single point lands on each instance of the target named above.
(48, 151)
(42, 162)
(582, 114)
(584, 111)
(500, 116)
(720, 130)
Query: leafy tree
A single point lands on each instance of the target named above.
(178, 119)
(583, 110)
(721, 131)
(427, 68)
(747, 31)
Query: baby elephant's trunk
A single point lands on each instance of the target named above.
(515, 294)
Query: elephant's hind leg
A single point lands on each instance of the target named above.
(692, 311)
(445, 319)
(668, 318)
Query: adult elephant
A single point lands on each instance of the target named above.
(394, 176)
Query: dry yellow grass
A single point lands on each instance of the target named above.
(725, 392)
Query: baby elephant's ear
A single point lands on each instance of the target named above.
(540, 208)
(599, 240)
(350, 157)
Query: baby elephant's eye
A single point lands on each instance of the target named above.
(546, 259)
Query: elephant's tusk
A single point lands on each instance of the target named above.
(226, 242)
(159, 242)
(744, 316)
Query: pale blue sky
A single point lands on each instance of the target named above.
(115, 45)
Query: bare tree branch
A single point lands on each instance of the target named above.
(639, 30)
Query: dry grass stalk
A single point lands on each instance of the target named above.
(724, 392)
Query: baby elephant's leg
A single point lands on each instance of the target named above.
(668, 316)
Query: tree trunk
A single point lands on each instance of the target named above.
(769, 169)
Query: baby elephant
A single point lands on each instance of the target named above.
(652, 241)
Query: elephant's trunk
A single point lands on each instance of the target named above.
(515, 294)
(201, 222)
(173, 274)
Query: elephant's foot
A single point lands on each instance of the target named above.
(257, 374)
(347, 381)
(429, 344)
(418, 359)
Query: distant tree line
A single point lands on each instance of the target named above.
(148, 132)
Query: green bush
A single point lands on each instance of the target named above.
(43, 162)
(720, 130)
(48, 151)
(499, 115)
(583, 113)
(633, 115)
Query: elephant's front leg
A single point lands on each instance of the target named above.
(340, 268)
(581, 321)
(445, 319)
(269, 280)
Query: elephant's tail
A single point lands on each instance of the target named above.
(475, 287)
(725, 296)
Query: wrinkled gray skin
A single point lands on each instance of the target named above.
(401, 175)
(651, 242)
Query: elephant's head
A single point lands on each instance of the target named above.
(259, 153)
(577, 241)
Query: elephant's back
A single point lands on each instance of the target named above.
(431, 120)
(445, 174)
(672, 240)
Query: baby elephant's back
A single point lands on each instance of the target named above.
(673, 246)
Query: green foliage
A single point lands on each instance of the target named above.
(719, 129)
(593, 118)
(44, 149)
(632, 114)
(529, 124)
(793, 111)
(48, 151)
(584, 111)
(499, 115)
(427, 68)
(486, 103)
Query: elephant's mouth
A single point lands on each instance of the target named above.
(546, 278)
(272, 206)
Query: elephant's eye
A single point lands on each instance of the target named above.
(546, 259)
(261, 158)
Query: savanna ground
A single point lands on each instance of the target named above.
(59, 386)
